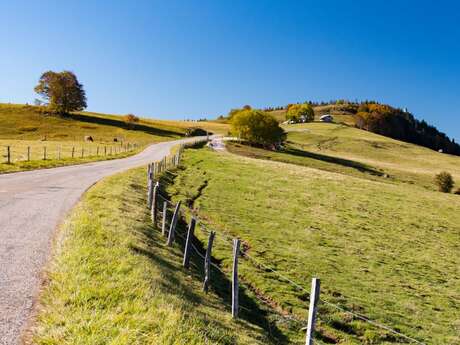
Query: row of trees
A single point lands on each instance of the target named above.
(385, 120)
(398, 124)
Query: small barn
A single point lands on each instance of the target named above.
(326, 118)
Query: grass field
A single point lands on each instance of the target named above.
(385, 250)
(23, 126)
(113, 281)
(401, 161)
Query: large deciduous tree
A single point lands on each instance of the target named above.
(61, 91)
(257, 127)
(297, 111)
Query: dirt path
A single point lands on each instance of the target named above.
(31, 206)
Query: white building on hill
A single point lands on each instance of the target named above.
(326, 118)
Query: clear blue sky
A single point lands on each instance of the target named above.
(176, 59)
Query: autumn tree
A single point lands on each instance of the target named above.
(296, 111)
(130, 120)
(61, 92)
(257, 127)
(235, 111)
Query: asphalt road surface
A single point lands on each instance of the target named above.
(32, 205)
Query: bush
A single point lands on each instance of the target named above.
(257, 127)
(195, 132)
(457, 191)
(444, 181)
(300, 113)
(130, 120)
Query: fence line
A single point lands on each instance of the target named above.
(175, 161)
(27, 153)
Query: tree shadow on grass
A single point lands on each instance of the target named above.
(334, 160)
(121, 124)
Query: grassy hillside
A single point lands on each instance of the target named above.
(340, 115)
(23, 127)
(387, 250)
(355, 152)
(402, 161)
(113, 281)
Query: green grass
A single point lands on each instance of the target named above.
(23, 126)
(113, 281)
(404, 162)
(22, 122)
(385, 250)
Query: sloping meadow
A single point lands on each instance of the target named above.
(387, 251)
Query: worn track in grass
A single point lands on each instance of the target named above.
(31, 206)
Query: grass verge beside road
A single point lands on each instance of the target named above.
(385, 250)
(113, 281)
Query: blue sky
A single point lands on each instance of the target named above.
(177, 59)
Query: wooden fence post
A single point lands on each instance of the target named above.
(188, 243)
(207, 262)
(150, 194)
(149, 175)
(44, 153)
(8, 155)
(105, 150)
(153, 207)
(73, 151)
(236, 251)
(28, 153)
(97, 151)
(172, 228)
(165, 215)
(314, 297)
(59, 153)
(82, 152)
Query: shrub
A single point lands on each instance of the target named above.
(444, 181)
(195, 132)
(296, 112)
(457, 191)
(130, 120)
(257, 127)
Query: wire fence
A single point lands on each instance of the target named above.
(226, 239)
(58, 151)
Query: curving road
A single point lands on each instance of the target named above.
(32, 204)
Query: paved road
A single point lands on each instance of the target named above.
(32, 204)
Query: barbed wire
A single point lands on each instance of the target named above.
(290, 281)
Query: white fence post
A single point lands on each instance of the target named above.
(314, 297)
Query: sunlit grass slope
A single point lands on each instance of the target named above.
(27, 122)
(385, 250)
(112, 280)
(25, 127)
(402, 161)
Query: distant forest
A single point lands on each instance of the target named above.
(392, 122)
